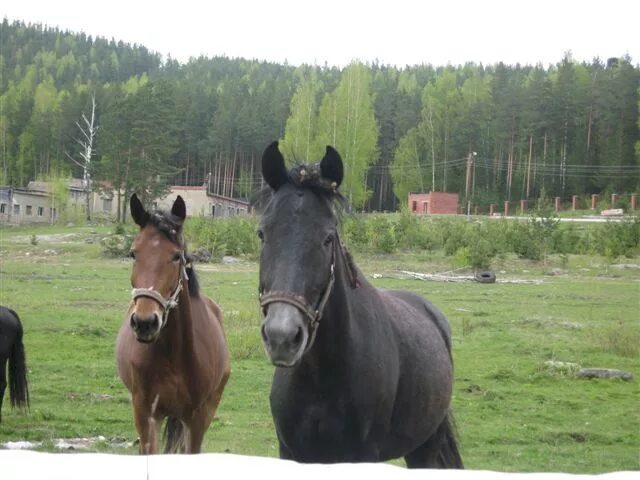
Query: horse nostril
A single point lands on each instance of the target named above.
(298, 338)
(263, 332)
(156, 321)
(133, 321)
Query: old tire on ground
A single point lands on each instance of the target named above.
(485, 277)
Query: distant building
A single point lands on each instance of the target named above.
(199, 202)
(36, 205)
(20, 206)
(433, 203)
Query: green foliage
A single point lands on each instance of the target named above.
(117, 245)
(346, 121)
(234, 236)
(476, 244)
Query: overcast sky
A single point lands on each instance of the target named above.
(395, 32)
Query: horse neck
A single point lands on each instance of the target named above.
(340, 313)
(179, 329)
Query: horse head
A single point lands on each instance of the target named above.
(158, 267)
(299, 249)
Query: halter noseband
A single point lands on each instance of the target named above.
(167, 304)
(314, 314)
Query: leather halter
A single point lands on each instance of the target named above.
(167, 304)
(313, 313)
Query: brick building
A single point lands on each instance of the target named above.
(433, 203)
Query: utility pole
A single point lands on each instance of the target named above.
(470, 173)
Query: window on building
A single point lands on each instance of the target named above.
(3, 208)
(16, 209)
(40, 211)
(213, 210)
(29, 211)
(107, 204)
(52, 212)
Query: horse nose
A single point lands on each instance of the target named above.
(283, 334)
(144, 326)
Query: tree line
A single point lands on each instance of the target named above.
(491, 133)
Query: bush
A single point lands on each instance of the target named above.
(227, 236)
(117, 245)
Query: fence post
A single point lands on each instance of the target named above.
(634, 201)
(614, 200)
(574, 202)
(492, 209)
(506, 208)
(557, 202)
(523, 206)
(594, 201)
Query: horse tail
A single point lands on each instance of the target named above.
(449, 456)
(18, 386)
(173, 435)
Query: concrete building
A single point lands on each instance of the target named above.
(433, 203)
(199, 202)
(19, 206)
(35, 204)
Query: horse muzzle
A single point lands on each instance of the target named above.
(145, 328)
(284, 334)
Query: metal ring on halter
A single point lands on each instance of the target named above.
(165, 304)
(313, 314)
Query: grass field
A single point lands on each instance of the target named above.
(512, 412)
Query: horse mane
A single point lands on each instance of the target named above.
(171, 227)
(310, 177)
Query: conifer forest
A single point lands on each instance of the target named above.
(488, 132)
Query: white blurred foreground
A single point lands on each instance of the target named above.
(19, 465)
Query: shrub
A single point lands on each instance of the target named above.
(227, 236)
(383, 235)
(117, 245)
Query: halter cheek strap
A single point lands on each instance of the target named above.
(167, 304)
(314, 314)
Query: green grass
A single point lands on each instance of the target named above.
(512, 413)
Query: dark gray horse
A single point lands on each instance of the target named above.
(362, 374)
(12, 351)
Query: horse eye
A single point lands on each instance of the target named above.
(328, 240)
(132, 254)
(176, 257)
(260, 235)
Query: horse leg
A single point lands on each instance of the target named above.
(148, 430)
(285, 453)
(3, 381)
(202, 418)
(439, 451)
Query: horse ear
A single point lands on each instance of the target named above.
(138, 213)
(179, 208)
(331, 166)
(273, 170)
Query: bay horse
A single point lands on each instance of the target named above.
(171, 350)
(362, 374)
(12, 353)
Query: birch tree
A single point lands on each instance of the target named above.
(346, 120)
(300, 131)
(88, 130)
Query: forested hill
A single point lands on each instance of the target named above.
(570, 128)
